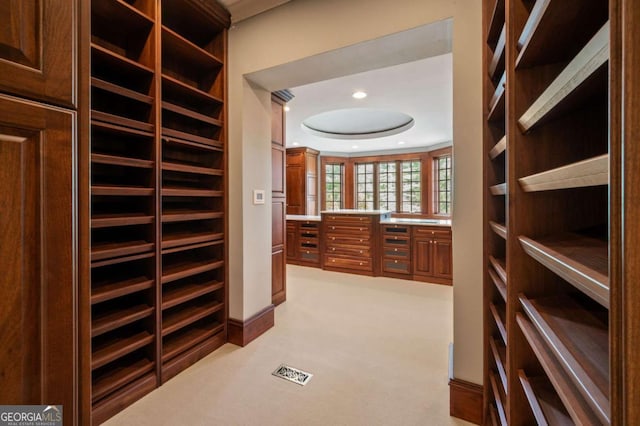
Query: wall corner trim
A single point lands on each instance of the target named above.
(242, 333)
(465, 400)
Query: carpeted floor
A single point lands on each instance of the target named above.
(377, 347)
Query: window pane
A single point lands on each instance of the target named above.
(333, 187)
(442, 185)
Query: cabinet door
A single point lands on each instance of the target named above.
(292, 242)
(278, 278)
(423, 257)
(37, 49)
(442, 255)
(278, 259)
(37, 255)
(295, 189)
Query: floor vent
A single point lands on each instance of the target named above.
(292, 374)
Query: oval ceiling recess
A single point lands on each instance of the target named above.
(357, 123)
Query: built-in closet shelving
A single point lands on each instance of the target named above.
(547, 212)
(158, 184)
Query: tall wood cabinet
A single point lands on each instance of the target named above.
(557, 295)
(38, 225)
(278, 202)
(302, 181)
(156, 296)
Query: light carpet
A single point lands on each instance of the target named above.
(377, 347)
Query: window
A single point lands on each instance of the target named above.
(364, 186)
(387, 186)
(411, 177)
(442, 185)
(333, 186)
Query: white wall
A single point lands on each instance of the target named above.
(303, 28)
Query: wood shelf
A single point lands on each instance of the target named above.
(500, 357)
(183, 340)
(552, 23)
(124, 191)
(497, 62)
(177, 136)
(500, 267)
(500, 285)
(188, 192)
(179, 48)
(114, 261)
(117, 318)
(112, 350)
(567, 85)
(170, 216)
(115, 160)
(581, 261)
(500, 189)
(181, 318)
(546, 405)
(185, 168)
(119, 129)
(580, 343)
(186, 269)
(498, 397)
(497, 22)
(189, 90)
(577, 408)
(193, 145)
(494, 415)
(121, 121)
(120, 62)
(174, 296)
(121, 13)
(498, 148)
(499, 229)
(123, 219)
(498, 313)
(119, 377)
(121, 91)
(191, 114)
(497, 103)
(100, 251)
(189, 237)
(591, 172)
(101, 292)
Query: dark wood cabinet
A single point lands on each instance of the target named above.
(38, 256)
(278, 200)
(303, 242)
(302, 181)
(396, 260)
(432, 254)
(292, 241)
(38, 50)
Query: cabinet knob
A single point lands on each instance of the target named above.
(333, 260)
(395, 261)
(333, 248)
(395, 238)
(307, 251)
(361, 218)
(360, 240)
(433, 233)
(333, 227)
(360, 251)
(395, 249)
(333, 238)
(360, 263)
(362, 229)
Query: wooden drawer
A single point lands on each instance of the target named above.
(390, 230)
(396, 253)
(354, 239)
(349, 229)
(309, 256)
(396, 266)
(347, 219)
(309, 244)
(309, 226)
(308, 234)
(422, 231)
(348, 250)
(396, 241)
(348, 263)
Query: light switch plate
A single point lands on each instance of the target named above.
(258, 196)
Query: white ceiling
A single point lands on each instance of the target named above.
(243, 9)
(422, 89)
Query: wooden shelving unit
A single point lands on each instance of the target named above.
(158, 188)
(550, 150)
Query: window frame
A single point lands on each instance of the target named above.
(324, 185)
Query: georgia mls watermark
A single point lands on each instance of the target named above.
(30, 415)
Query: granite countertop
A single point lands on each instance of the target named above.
(353, 211)
(420, 222)
(304, 217)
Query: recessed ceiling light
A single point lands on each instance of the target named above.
(355, 147)
(401, 143)
(287, 109)
(359, 95)
(296, 144)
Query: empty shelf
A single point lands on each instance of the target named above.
(121, 161)
(188, 192)
(179, 48)
(497, 103)
(189, 90)
(100, 251)
(500, 285)
(169, 216)
(119, 61)
(574, 403)
(594, 55)
(497, 62)
(500, 357)
(174, 321)
(497, 22)
(174, 296)
(582, 261)
(185, 238)
(185, 168)
(118, 377)
(121, 13)
(499, 229)
(177, 136)
(116, 348)
(121, 91)
(121, 121)
(500, 189)
(185, 269)
(117, 318)
(121, 190)
(498, 148)
(114, 128)
(191, 114)
(580, 343)
(499, 316)
(591, 172)
(124, 219)
(104, 291)
(498, 397)
(546, 405)
(107, 262)
(500, 267)
(179, 342)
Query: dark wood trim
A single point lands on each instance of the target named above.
(465, 400)
(242, 333)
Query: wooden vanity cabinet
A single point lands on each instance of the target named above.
(432, 254)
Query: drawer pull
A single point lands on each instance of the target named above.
(333, 248)
(333, 260)
(395, 249)
(395, 238)
(360, 263)
(333, 238)
(360, 251)
(360, 240)
(362, 229)
(333, 227)
(307, 251)
(433, 233)
(361, 218)
(395, 261)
